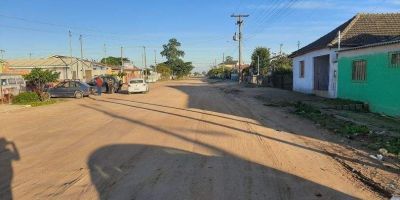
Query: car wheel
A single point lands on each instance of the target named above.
(78, 95)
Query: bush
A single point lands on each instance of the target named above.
(26, 98)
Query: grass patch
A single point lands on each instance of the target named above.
(349, 129)
(26, 98)
(32, 99)
(43, 103)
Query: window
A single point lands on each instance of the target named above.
(12, 81)
(394, 59)
(359, 72)
(302, 69)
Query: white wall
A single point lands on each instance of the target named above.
(306, 84)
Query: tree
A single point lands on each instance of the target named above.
(219, 72)
(264, 55)
(171, 50)
(39, 78)
(282, 64)
(114, 61)
(229, 60)
(164, 70)
(173, 55)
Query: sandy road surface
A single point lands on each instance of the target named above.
(183, 140)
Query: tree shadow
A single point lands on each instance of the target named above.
(154, 172)
(8, 154)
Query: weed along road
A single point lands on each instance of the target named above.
(187, 139)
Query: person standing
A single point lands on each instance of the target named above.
(99, 85)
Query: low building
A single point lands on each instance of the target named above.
(315, 65)
(371, 74)
(68, 67)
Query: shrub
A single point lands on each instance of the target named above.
(26, 98)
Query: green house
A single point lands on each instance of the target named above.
(371, 74)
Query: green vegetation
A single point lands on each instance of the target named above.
(114, 61)
(26, 98)
(173, 55)
(39, 78)
(282, 64)
(219, 72)
(265, 57)
(164, 70)
(348, 129)
(31, 98)
(43, 103)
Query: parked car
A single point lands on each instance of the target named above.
(71, 88)
(138, 85)
(106, 79)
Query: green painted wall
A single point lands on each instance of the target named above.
(381, 90)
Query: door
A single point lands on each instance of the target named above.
(321, 73)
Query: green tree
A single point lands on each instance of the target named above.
(265, 56)
(219, 72)
(229, 60)
(171, 50)
(282, 64)
(173, 55)
(164, 70)
(39, 78)
(114, 61)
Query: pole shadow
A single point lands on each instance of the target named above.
(134, 171)
(8, 154)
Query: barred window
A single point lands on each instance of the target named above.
(395, 59)
(359, 70)
(302, 69)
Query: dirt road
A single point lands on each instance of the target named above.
(183, 140)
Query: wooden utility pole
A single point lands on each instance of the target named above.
(105, 54)
(1, 53)
(239, 23)
(122, 59)
(81, 42)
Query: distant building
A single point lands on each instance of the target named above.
(68, 67)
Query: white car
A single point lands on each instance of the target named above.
(138, 85)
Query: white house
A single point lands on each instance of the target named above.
(315, 65)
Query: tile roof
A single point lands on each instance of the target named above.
(362, 29)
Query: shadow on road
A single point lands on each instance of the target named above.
(154, 172)
(8, 154)
(156, 108)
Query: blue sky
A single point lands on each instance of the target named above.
(204, 28)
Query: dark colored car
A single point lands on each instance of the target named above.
(107, 79)
(71, 88)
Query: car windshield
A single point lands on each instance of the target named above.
(136, 81)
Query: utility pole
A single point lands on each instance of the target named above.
(30, 55)
(145, 59)
(223, 58)
(105, 54)
(280, 49)
(298, 45)
(70, 44)
(155, 57)
(81, 42)
(1, 53)
(122, 59)
(258, 65)
(239, 22)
